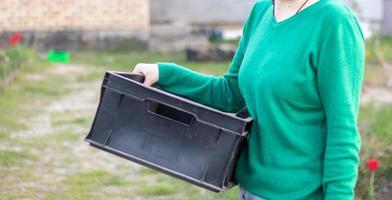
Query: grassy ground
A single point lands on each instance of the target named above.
(385, 48)
(11, 60)
(374, 119)
(126, 61)
(44, 116)
(48, 110)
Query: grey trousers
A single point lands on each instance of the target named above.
(245, 195)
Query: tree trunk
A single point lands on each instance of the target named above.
(387, 19)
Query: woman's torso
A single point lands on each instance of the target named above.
(278, 80)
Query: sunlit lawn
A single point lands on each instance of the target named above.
(374, 120)
(22, 161)
(39, 156)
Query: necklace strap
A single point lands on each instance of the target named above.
(300, 8)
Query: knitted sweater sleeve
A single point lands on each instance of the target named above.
(340, 76)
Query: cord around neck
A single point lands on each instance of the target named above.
(300, 8)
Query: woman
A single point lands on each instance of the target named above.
(299, 70)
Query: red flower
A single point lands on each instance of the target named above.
(15, 38)
(373, 164)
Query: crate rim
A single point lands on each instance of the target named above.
(118, 74)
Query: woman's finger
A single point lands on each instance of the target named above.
(150, 72)
(137, 69)
(148, 82)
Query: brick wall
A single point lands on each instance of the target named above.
(55, 15)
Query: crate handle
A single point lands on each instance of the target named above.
(169, 112)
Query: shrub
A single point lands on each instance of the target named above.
(12, 59)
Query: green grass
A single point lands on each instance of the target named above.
(93, 76)
(385, 48)
(147, 171)
(167, 187)
(9, 158)
(27, 93)
(25, 98)
(376, 132)
(80, 120)
(126, 61)
(22, 91)
(88, 185)
(157, 189)
(12, 59)
(3, 135)
(375, 75)
(376, 121)
(64, 118)
(94, 178)
(44, 88)
(57, 137)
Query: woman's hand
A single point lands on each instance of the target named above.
(150, 72)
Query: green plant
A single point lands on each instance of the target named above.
(12, 59)
(385, 48)
(372, 166)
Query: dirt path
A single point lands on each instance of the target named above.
(54, 138)
(376, 95)
(48, 159)
(43, 156)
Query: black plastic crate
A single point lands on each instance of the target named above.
(169, 133)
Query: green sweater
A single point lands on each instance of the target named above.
(301, 80)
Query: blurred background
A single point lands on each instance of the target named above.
(53, 54)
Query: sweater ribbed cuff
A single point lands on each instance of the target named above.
(164, 70)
